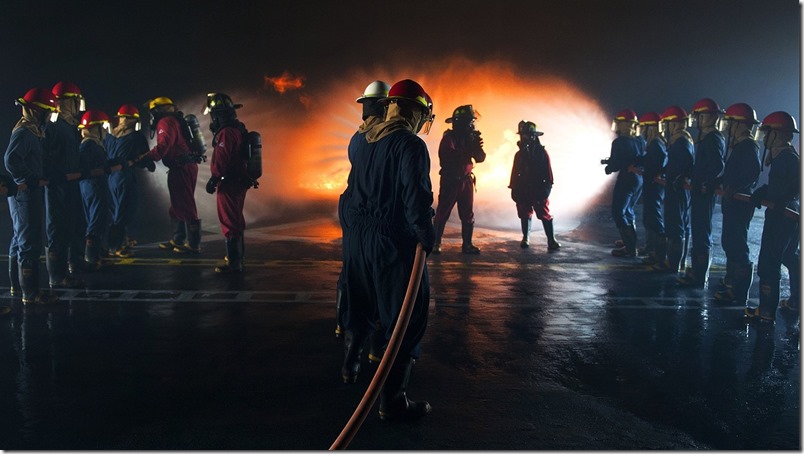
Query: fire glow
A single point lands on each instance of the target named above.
(305, 153)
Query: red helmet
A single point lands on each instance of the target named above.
(674, 113)
(626, 115)
(649, 118)
(706, 105)
(38, 98)
(412, 91)
(66, 90)
(93, 117)
(128, 110)
(742, 113)
(779, 121)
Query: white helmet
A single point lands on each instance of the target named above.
(377, 89)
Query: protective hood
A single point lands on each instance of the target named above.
(30, 122)
(395, 121)
(92, 134)
(121, 130)
(682, 133)
(370, 122)
(68, 112)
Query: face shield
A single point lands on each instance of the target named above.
(427, 122)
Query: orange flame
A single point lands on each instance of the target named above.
(285, 82)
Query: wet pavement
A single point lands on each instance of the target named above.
(529, 350)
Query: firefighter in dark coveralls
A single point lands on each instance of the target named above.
(229, 176)
(24, 161)
(94, 188)
(780, 234)
(626, 150)
(373, 113)
(652, 169)
(460, 149)
(706, 172)
(124, 145)
(64, 212)
(676, 196)
(531, 183)
(739, 176)
(173, 149)
(387, 210)
(8, 189)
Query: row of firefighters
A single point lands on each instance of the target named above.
(69, 172)
(679, 179)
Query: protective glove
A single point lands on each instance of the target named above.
(107, 167)
(758, 195)
(8, 183)
(547, 191)
(212, 184)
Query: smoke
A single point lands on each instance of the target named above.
(306, 131)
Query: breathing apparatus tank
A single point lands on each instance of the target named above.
(198, 146)
(253, 155)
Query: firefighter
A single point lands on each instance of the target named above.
(531, 183)
(94, 189)
(651, 166)
(24, 161)
(780, 234)
(173, 149)
(387, 210)
(740, 174)
(460, 149)
(706, 173)
(229, 176)
(64, 211)
(124, 145)
(373, 113)
(626, 150)
(676, 197)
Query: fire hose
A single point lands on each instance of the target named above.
(353, 425)
(75, 176)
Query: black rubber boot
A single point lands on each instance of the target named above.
(439, 232)
(117, 242)
(467, 231)
(352, 355)
(650, 246)
(628, 235)
(234, 258)
(29, 280)
(525, 233)
(660, 255)
(338, 313)
(768, 301)
(92, 261)
(179, 235)
(696, 275)
(14, 276)
(193, 243)
(552, 244)
(394, 402)
(743, 277)
(377, 343)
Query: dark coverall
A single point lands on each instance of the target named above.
(64, 215)
(739, 176)
(174, 151)
(95, 193)
(676, 198)
(625, 151)
(653, 163)
(387, 210)
(23, 160)
(780, 234)
(457, 154)
(123, 184)
(706, 172)
(531, 182)
(228, 165)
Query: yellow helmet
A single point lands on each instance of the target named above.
(159, 101)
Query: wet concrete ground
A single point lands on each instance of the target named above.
(573, 350)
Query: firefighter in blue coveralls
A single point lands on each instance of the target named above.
(706, 172)
(373, 113)
(64, 220)
(94, 188)
(24, 161)
(676, 195)
(124, 145)
(229, 176)
(780, 234)
(739, 176)
(626, 150)
(387, 210)
(651, 166)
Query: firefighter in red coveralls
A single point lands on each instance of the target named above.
(229, 176)
(531, 183)
(173, 149)
(460, 148)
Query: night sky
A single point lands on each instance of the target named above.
(643, 55)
